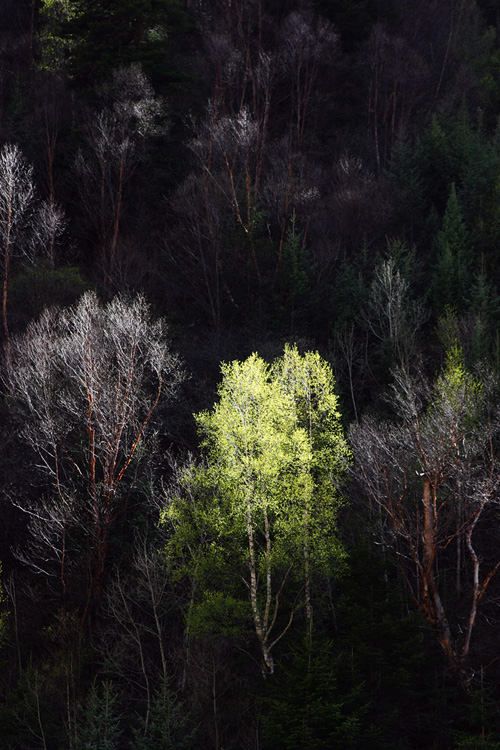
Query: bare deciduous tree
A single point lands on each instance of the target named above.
(243, 170)
(115, 140)
(431, 478)
(391, 315)
(49, 223)
(139, 608)
(89, 379)
(397, 75)
(16, 197)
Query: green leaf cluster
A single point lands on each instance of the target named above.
(90, 39)
(276, 437)
(275, 459)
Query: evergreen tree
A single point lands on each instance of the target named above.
(307, 708)
(484, 304)
(98, 726)
(453, 268)
(296, 272)
(168, 725)
(91, 39)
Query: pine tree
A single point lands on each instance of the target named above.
(454, 260)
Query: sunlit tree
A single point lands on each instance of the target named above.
(262, 508)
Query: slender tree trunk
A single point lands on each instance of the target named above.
(260, 629)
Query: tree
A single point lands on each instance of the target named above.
(397, 74)
(16, 197)
(116, 138)
(98, 727)
(90, 39)
(391, 315)
(138, 610)
(296, 271)
(254, 167)
(263, 507)
(24, 227)
(88, 380)
(431, 478)
(55, 47)
(306, 707)
(454, 258)
(169, 727)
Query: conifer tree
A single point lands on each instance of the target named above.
(98, 727)
(91, 39)
(454, 258)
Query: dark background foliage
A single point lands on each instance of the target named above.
(319, 172)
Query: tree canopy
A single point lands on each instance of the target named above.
(270, 490)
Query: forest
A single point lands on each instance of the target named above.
(250, 374)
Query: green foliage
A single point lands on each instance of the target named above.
(456, 390)
(491, 79)
(168, 727)
(448, 329)
(437, 163)
(484, 299)
(274, 456)
(98, 725)
(206, 542)
(308, 382)
(270, 488)
(55, 48)
(296, 272)
(454, 258)
(456, 160)
(275, 436)
(349, 290)
(482, 742)
(94, 38)
(478, 726)
(459, 150)
(474, 160)
(306, 708)
(484, 307)
(219, 612)
(405, 171)
(382, 655)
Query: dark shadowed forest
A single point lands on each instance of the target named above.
(249, 374)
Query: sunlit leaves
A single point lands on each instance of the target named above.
(261, 510)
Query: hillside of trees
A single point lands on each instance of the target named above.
(249, 374)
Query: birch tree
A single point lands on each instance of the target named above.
(263, 507)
